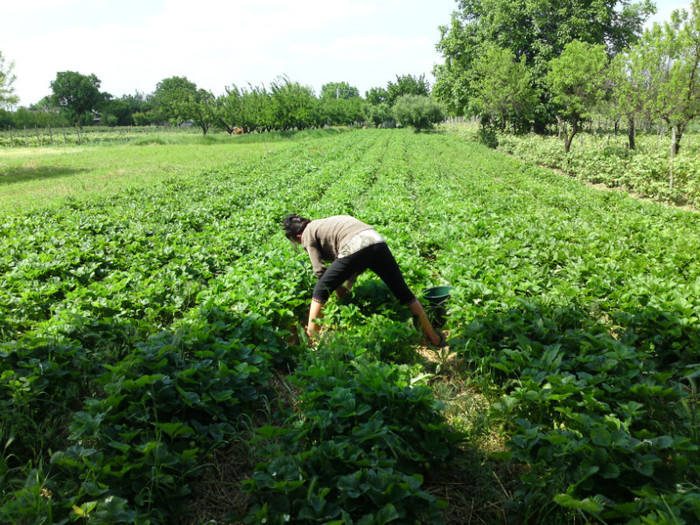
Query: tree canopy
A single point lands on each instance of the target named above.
(7, 78)
(537, 30)
(76, 94)
(339, 90)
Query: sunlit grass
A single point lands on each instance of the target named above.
(39, 177)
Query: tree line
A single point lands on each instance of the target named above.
(76, 99)
(525, 65)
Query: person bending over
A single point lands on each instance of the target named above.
(351, 246)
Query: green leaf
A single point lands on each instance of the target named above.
(387, 514)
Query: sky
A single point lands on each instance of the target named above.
(131, 45)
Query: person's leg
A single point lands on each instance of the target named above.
(436, 338)
(335, 275)
(385, 266)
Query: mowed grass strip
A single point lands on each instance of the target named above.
(38, 178)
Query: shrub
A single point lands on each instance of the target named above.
(419, 112)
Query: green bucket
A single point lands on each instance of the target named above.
(437, 297)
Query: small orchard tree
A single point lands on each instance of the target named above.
(200, 108)
(258, 109)
(418, 111)
(295, 106)
(504, 88)
(380, 114)
(674, 52)
(7, 78)
(576, 81)
(631, 86)
(229, 109)
(339, 90)
(342, 111)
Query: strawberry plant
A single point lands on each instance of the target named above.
(140, 331)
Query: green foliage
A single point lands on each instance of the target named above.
(381, 115)
(644, 171)
(576, 81)
(173, 97)
(77, 95)
(404, 85)
(293, 105)
(356, 449)
(538, 30)
(339, 90)
(418, 111)
(142, 330)
(672, 59)
(170, 398)
(505, 89)
(7, 78)
(376, 96)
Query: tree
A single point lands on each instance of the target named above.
(504, 88)
(172, 98)
(418, 111)
(339, 90)
(7, 78)
(630, 88)
(674, 53)
(407, 85)
(539, 30)
(342, 111)
(376, 95)
(6, 120)
(77, 95)
(200, 108)
(381, 114)
(576, 81)
(294, 105)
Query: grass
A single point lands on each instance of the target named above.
(32, 178)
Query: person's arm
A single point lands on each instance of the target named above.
(316, 258)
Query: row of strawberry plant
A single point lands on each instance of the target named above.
(648, 172)
(209, 233)
(453, 213)
(356, 449)
(586, 312)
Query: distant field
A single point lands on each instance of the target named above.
(32, 178)
(152, 364)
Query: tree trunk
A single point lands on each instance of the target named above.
(568, 139)
(676, 136)
(631, 131)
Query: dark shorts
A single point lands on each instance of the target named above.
(377, 258)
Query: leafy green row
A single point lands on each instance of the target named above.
(647, 172)
(577, 305)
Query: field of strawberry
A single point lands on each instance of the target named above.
(144, 335)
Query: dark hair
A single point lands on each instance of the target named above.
(294, 224)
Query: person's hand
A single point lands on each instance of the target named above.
(342, 292)
(311, 337)
(439, 340)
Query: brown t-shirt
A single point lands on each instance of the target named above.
(323, 238)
